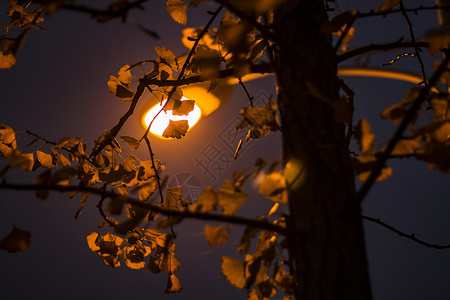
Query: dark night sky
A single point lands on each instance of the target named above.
(58, 88)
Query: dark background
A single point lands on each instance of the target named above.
(58, 88)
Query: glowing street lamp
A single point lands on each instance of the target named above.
(205, 103)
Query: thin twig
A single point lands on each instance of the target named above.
(100, 207)
(402, 234)
(158, 179)
(409, 115)
(394, 11)
(378, 47)
(413, 40)
(151, 207)
(250, 98)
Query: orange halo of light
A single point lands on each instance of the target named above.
(163, 119)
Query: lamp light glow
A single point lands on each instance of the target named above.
(163, 119)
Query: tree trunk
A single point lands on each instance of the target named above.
(327, 241)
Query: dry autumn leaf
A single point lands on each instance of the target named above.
(177, 10)
(176, 129)
(215, 235)
(17, 240)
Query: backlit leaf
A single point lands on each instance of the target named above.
(176, 129)
(172, 200)
(92, 240)
(46, 160)
(19, 160)
(173, 285)
(83, 202)
(179, 107)
(274, 185)
(363, 166)
(153, 265)
(406, 147)
(229, 198)
(7, 60)
(125, 75)
(177, 10)
(7, 135)
(17, 240)
(215, 235)
(388, 5)
(120, 90)
(234, 271)
(207, 201)
(438, 39)
(167, 55)
(169, 264)
(134, 256)
(146, 189)
(132, 142)
(365, 137)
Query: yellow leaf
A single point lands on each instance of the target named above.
(177, 10)
(134, 256)
(173, 284)
(365, 137)
(7, 60)
(229, 198)
(46, 160)
(167, 55)
(132, 142)
(19, 160)
(17, 240)
(173, 198)
(63, 161)
(7, 134)
(125, 75)
(169, 264)
(120, 90)
(176, 129)
(406, 147)
(92, 240)
(388, 5)
(215, 235)
(274, 185)
(234, 271)
(147, 188)
(207, 201)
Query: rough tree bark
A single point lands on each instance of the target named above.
(328, 242)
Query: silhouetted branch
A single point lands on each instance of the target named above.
(158, 179)
(413, 40)
(148, 206)
(100, 207)
(402, 234)
(250, 98)
(409, 115)
(377, 48)
(399, 10)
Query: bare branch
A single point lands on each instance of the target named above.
(415, 106)
(148, 206)
(402, 234)
(378, 48)
(413, 40)
(394, 11)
